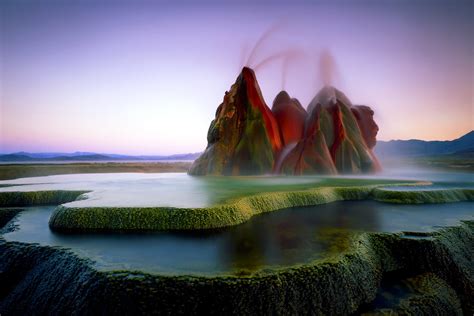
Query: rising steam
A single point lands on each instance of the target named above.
(327, 68)
(261, 40)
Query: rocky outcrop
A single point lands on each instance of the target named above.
(244, 137)
(311, 154)
(369, 129)
(333, 141)
(290, 116)
(44, 280)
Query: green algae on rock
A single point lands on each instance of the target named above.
(423, 196)
(338, 285)
(235, 211)
(243, 138)
(423, 294)
(29, 198)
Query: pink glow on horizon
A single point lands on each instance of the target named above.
(137, 80)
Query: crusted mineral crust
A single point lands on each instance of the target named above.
(439, 268)
(237, 210)
(232, 212)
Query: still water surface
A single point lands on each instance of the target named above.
(182, 190)
(280, 238)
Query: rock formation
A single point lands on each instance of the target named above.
(333, 141)
(244, 138)
(311, 154)
(369, 129)
(247, 138)
(290, 116)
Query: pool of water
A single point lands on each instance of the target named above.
(280, 238)
(182, 190)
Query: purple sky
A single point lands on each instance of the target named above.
(146, 78)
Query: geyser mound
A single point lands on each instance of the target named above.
(290, 116)
(333, 141)
(247, 138)
(244, 137)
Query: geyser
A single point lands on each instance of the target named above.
(244, 138)
(247, 138)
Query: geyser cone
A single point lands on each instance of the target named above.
(243, 138)
(343, 136)
(290, 116)
(338, 138)
(311, 154)
(329, 96)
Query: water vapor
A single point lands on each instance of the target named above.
(267, 34)
(327, 68)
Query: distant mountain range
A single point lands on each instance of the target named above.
(89, 156)
(463, 145)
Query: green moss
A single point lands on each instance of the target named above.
(229, 212)
(423, 196)
(423, 294)
(339, 285)
(19, 198)
(234, 211)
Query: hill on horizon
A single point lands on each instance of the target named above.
(463, 145)
(89, 156)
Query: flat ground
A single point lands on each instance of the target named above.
(452, 162)
(13, 171)
(461, 163)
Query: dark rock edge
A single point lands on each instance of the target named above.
(50, 280)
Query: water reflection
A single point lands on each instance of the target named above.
(296, 235)
(280, 238)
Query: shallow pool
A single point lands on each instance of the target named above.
(182, 190)
(280, 238)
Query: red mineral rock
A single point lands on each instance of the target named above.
(290, 116)
(244, 137)
(247, 138)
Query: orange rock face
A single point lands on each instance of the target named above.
(311, 154)
(244, 137)
(256, 100)
(333, 141)
(290, 116)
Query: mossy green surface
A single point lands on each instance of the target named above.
(423, 196)
(338, 285)
(240, 207)
(234, 211)
(423, 294)
(31, 198)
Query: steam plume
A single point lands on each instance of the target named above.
(261, 40)
(284, 72)
(287, 54)
(327, 67)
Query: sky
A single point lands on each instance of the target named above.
(146, 77)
